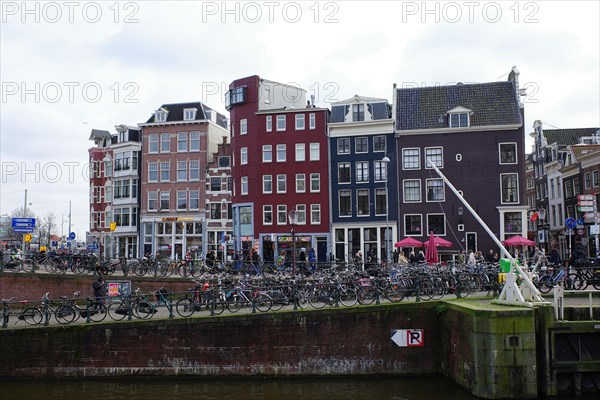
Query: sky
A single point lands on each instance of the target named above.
(69, 67)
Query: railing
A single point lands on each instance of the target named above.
(559, 301)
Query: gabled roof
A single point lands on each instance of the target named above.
(491, 104)
(359, 99)
(581, 150)
(566, 137)
(175, 113)
(99, 134)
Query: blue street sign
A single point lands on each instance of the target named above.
(23, 222)
(72, 236)
(23, 229)
(570, 223)
(580, 221)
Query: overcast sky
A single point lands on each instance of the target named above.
(68, 67)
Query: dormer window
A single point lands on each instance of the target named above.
(459, 117)
(189, 114)
(160, 115)
(358, 112)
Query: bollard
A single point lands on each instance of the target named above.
(46, 312)
(4, 314)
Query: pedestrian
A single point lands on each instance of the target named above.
(302, 258)
(396, 256)
(421, 257)
(471, 261)
(413, 257)
(99, 288)
(460, 258)
(312, 259)
(490, 257)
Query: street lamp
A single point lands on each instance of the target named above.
(385, 160)
(293, 218)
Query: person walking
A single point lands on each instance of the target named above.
(99, 287)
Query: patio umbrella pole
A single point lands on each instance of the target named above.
(512, 293)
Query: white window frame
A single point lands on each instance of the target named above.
(347, 166)
(343, 140)
(194, 166)
(281, 148)
(384, 144)
(300, 183)
(267, 181)
(315, 211)
(189, 114)
(439, 164)
(300, 122)
(301, 214)
(243, 156)
(368, 211)
(300, 152)
(153, 167)
(281, 123)
(315, 152)
(181, 164)
(516, 189)
(444, 224)
(380, 170)
(150, 200)
(405, 191)
(458, 115)
(420, 225)
(267, 209)
(362, 177)
(514, 144)
(166, 170)
(179, 197)
(405, 156)
(244, 186)
(281, 214)
(267, 149)
(194, 141)
(243, 126)
(269, 123)
(361, 138)
(153, 143)
(349, 196)
(427, 200)
(165, 142)
(281, 183)
(182, 144)
(160, 116)
(194, 194)
(312, 121)
(315, 179)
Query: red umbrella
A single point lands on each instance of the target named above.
(518, 241)
(439, 242)
(431, 253)
(408, 242)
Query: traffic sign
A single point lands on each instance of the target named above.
(23, 222)
(113, 226)
(72, 236)
(27, 237)
(585, 197)
(585, 209)
(570, 223)
(580, 221)
(23, 229)
(408, 337)
(586, 203)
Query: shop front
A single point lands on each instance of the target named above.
(172, 237)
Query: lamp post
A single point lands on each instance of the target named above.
(386, 160)
(293, 218)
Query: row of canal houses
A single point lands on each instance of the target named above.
(281, 173)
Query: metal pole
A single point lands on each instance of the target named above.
(524, 275)
(597, 223)
(294, 249)
(24, 215)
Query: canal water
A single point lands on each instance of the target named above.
(405, 388)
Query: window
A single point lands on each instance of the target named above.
(362, 201)
(435, 189)
(165, 201)
(243, 156)
(181, 141)
(315, 182)
(269, 123)
(153, 172)
(181, 200)
(594, 178)
(194, 141)
(379, 143)
(587, 180)
(413, 224)
(512, 222)
(224, 162)
(362, 171)
(459, 120)
(165, 142)
(380, 171)
(281, 214)
(152, 201)
(243, 126)
(558, 191)
(281, 153)
(244, 185)
(181, 171)
(358, 112)
(194, 199)
(435, 155)
(300, 183)
(343, 172)
(301, 213)
(361, 144)
(160, 116)
(267, 215)
(568, 188)
(314, 152)
(508, 153)
(300, 152)
(343, 146)
(215, 184)
(312, 121)
(436, 223)
(411, 159)
(267, 184)
(412, 191)
(300, 124)
(153, 143)
(235, 96)
(315, 214)
(194, 170)
(281, 123)
(345, 203)
(215, 210)
(267, 153)
(380, 202)
(165, 171)
(281, 183)
(189, 114)
(509, 188)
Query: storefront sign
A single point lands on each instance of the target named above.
(298, 239)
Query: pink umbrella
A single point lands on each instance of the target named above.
(518, 241)
(431, 253)
(439, 242)
(408, 242)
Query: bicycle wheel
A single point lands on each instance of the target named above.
(263, 302)
(185, 307)
(348, 297)
(545, 284)
(279, 300)
(32, 316)
(144, 310)
(302, 298)
(118, 311)
(49, 265)
(65, 314)
(97, 311)
(394, 293)
(235, 302)
(318, 298)
(425, 290)
(366, 295)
